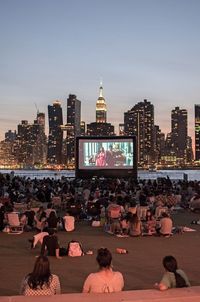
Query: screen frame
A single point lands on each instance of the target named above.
(107, 173)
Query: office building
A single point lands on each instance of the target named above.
(101, 109)
(139, 121)
(179, 133)
(100, 129)
(73, 127)
(55, 139)
(197, 132)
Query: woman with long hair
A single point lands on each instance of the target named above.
(135, 226)
(105, 280)
(173, 277)
(40, 281)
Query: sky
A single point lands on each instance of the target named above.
(141, 49)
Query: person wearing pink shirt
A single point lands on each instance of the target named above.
(105, 280)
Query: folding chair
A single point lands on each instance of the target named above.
(14, 223)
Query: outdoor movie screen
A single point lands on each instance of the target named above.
(106, 153)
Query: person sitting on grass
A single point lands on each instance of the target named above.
(40, 282)
(105, 280)
(173, 277)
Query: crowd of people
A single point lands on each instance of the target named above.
(122, 208)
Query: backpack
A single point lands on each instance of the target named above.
(74, 249)
(114, 212)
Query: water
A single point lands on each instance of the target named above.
(172, 174)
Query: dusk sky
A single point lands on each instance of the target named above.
(144, 49)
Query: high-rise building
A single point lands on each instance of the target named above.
(179, 133)
(100, 127)
(26, 141)
(197, 131)
(40, 150)
(159, 140)
(139, 121)
(101, 110)
(55, 139)
(73, 126)
(82, 128)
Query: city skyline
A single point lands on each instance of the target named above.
(142, 49)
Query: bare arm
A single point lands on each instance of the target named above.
(57, 254)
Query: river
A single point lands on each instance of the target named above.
(172, 174)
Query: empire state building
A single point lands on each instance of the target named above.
(101, 110)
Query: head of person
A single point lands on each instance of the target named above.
(51, 231)
(52, 215)
(41, 273)
(170, 265)
(104, 258)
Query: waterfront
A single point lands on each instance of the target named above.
(142, 174)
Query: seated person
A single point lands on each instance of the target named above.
(30, 214)
(105, 280)
(135, 226)
(52, 221)
(173, 277)
(50, 245)
(40, 282)
(165, 225)
(125, 224)
(150, 224)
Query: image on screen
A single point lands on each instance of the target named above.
(106, 154)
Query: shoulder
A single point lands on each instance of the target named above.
(54, 277)
(118, 275)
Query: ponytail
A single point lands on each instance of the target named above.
(170, 264)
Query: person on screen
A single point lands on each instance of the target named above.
(101, 158)
(110, 161)
(119, 156)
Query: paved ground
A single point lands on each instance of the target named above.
(141, 267)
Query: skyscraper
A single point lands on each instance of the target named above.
(73, 126)
(179, 132)
(100, 127)
(159, 141)
(55, 139)
(40, 150)
(101, 110)
(197, 132)
(139, 121)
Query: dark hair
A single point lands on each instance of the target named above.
(41, 273)
(104, 258)
(134, 218)
(170, 264)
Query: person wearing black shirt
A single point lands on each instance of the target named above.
(50, 245)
